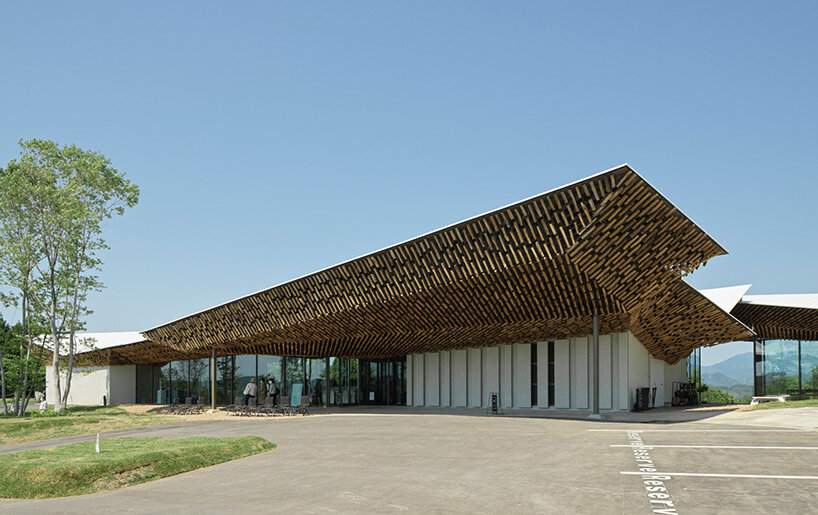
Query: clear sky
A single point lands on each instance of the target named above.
(272, 139)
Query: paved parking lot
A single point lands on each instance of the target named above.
(401, 460)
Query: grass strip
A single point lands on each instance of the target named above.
(78, 420)
(76, 469)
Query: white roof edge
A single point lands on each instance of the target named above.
(87, 342)
(727, 297)
(726, 312)
(795, 300)
(471, 218)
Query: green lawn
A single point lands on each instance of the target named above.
(76, 469)
(80, 420)
(790, 404)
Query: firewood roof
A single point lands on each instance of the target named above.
(537, 269)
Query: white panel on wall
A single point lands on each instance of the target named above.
(88, 385)
(475, 373)
(579, 373)
(614, 372)
(624, 374)
(522, 375)
(506, 375)
(562, 374)
(638, 367)
(445, 378)
(542, 374)
(122, 384)
(459, 378)
(432, 384)
(657, 380)
(409, 379)
(673, 373)
(418, 380)
(491, 371)
(605, 377)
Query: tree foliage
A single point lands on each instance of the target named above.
(55, 201)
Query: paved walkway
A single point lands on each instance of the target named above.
(405, 460)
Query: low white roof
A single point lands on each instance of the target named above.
(96, 341)
(800, 300)
(726, 298)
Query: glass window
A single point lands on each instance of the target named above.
(163, 393)
(245, 370)
(317, 381)
(269, 369)
(780, 366)
(225, 383)
(179, 377)
(809, 366)
(200, 379)
(294, 368)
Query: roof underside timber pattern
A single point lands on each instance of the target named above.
(539, 269)
(138, 353)
(779, 322)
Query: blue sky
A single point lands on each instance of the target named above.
(271, 139)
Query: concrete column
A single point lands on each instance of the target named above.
(595, 389)
(213, 377)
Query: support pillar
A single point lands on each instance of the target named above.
(596, 367)
(213, 377)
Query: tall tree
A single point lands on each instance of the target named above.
(61, 195)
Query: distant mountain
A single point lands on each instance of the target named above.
(719, 379)
(735, 370)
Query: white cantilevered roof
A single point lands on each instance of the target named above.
(726, 298)
(97, 341)
(800, 300)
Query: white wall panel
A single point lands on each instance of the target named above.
(122, 384)
(624, 374)
(522, 375)
(418, 395)
(506, 376)
(673, 373)
(459, 378)
(562, 374)
(88, 385)
(491, 372)
(432, 385)
(475, 373)
(605, 380)
(542, 374)
(579, 373)
(657, 380)
(638, 367)
(445, 378)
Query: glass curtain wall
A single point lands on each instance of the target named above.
(347, 381)
(786, 367)
(200, 379)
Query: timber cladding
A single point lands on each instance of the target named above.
(779, 322)
(538, 269)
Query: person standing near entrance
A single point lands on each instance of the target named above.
(272, 390)
(250, 391)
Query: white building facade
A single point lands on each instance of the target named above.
(556, 374)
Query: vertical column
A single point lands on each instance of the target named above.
(800, 390)
(596, 365)
(213, 377)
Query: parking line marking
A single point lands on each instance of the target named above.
(697, 474)
(704, 430)
(718, 447)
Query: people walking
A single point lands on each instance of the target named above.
(272, 390)
(250, 391)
